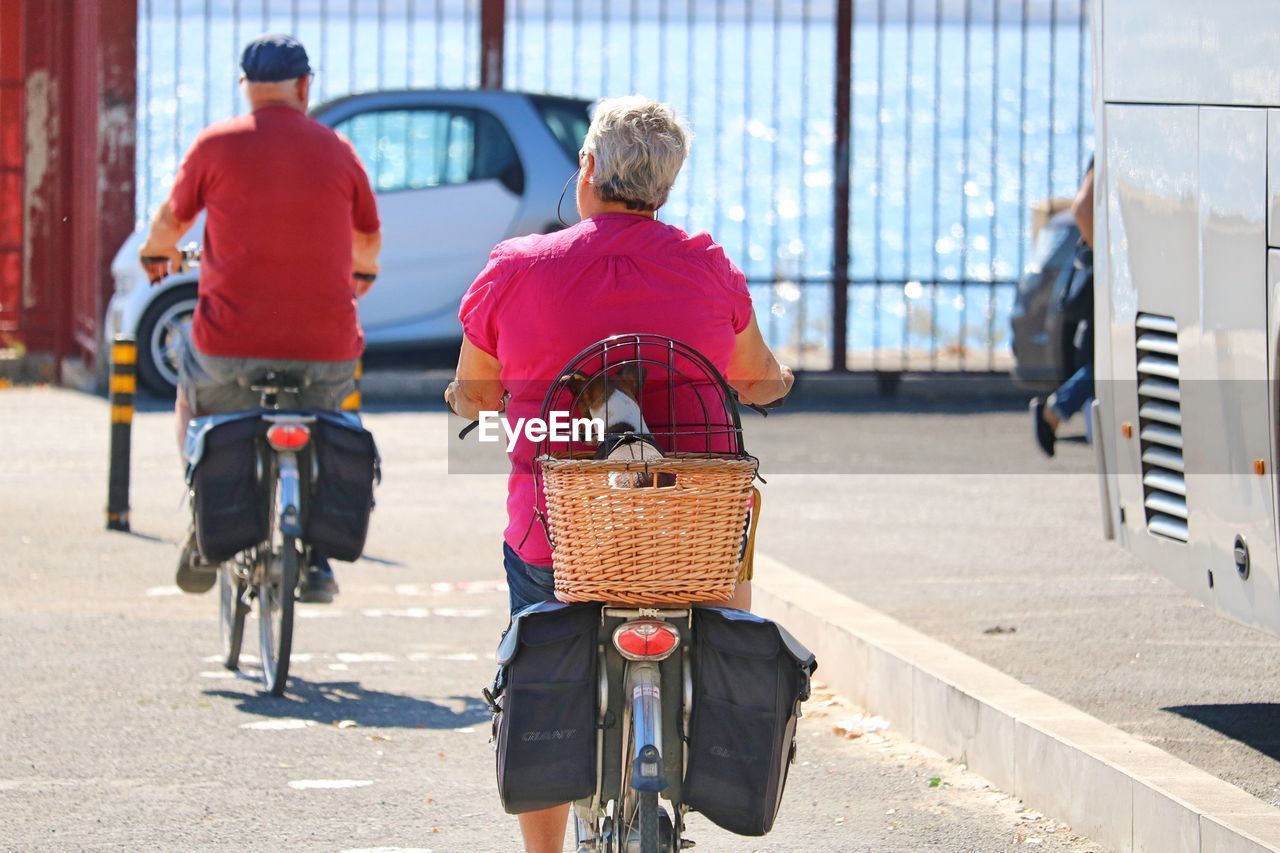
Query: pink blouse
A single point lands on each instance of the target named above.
(544, 298)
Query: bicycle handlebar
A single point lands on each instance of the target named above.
(190, 257)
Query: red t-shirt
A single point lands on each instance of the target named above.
(283, 193)
(544, 298)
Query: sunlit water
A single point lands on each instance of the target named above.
(945, 164)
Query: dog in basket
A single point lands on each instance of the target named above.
(614, 399)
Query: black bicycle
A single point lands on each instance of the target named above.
(631, 706)
(269, 487)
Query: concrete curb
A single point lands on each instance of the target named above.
(1108, 785)
(931, 387)
(390, 385)
(394, 386)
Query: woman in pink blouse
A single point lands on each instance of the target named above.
(544, 298)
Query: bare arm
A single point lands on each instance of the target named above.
(162, 242)
(753, 370)
(478, 385)
(364, 258)
(1082, 208)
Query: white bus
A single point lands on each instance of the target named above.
(1187, 292)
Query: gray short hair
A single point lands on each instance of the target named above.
(639, 146)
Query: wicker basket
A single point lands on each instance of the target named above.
(666, 544)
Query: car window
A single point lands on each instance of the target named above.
(431, 147)
(567, 120)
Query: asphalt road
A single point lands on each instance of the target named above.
(1011, 568)
(945, 515)
(120, 730)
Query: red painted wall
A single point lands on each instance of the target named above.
(67, 108)
(11, 171)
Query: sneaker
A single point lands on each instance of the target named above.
(319, 586)
(1041, 429)
(194, 574)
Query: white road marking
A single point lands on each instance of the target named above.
(217, 673)
(388, 850)
(321, 612)
(339, 667)
(163, 591)
(278, 725)
(315, 784)
(408, 589)
(422, 657)
(462, 612)
(408, 613)
(470, 587)
(366, 657)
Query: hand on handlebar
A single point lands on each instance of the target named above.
(361, 283)
(788, 382)
(158, 264)
(161, 261)
(788, 379)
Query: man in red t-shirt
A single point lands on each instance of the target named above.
(291, 240)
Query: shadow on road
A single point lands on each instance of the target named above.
(148, 537)
(381, 561)
(1250, 723)
(335, 701)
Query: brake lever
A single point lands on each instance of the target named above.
(468, 429)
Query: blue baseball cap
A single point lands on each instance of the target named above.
(273, 57)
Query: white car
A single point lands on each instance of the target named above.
(455, 173)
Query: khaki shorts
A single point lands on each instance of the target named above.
(214, 384)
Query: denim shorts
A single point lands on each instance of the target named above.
(527, 583)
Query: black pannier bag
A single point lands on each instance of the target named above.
(232, 500)
(749, 678)
(347, 467)
(544, 703)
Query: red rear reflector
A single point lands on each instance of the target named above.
(645, 640)
(288, 436)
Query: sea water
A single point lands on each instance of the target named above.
(962, 117)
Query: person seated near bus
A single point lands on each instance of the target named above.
(542, 299)
(1071, 396)
(291, 240)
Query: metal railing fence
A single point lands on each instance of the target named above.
(961, 114)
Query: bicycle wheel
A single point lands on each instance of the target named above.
(650, 840)
(232, 610)
(275, 615)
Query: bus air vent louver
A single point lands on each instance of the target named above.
(1164, 484)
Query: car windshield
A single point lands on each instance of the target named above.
(567, 119)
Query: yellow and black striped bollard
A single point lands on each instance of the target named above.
(124, 383)
(352, 403)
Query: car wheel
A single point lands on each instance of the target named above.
(160, 337)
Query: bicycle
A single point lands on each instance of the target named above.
(268, 571)
(269, 487)
(626, 698)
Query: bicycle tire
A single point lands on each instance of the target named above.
(650, 839)
(232, 611)
(275, 618)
